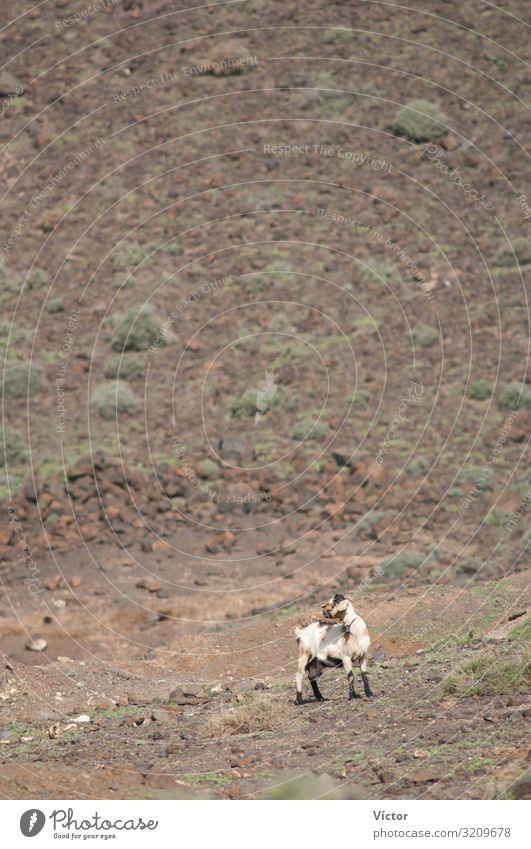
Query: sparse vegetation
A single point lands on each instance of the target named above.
(124, 367)
(393, 567)
(476, 474)
(424, 336)
(22, 380)
(259, 715)
(490, 675)
(420, 120)
(517, 253)
(515, 396)
(136, 329)
(130, 255)
(309, 428)
(480, 389)
(55, 305)
(12, 449)
(522, 631)
(112, 399)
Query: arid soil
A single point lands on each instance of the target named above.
(261, 345)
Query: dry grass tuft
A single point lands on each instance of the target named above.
(262, 715)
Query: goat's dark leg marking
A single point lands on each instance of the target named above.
(351, 691)
(316, 691)
(314, 670)
(366, 687)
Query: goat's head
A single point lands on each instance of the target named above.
(336, 607)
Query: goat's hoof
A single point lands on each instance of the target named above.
(370, 695)
(299, 700)
(353, 696)
(320, 699)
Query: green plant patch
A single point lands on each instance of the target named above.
(420, 120)
(488, 674)
(110, 400)
(515, 396)
(480, 390)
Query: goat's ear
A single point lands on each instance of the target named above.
(338, 611)
(337, 598)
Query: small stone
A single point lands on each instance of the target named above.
(75, 581)
(150, 584)
(10, 85)
(81, 718)
(160, 716)
(38, 644)
(450, 142)
(423, 776)
(421, 753)
(174, 746)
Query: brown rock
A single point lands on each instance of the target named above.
(10, 85)
(149, 583)
(450, 142)
(6, 535)
(423, 776)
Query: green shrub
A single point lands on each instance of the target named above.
(522, 631)
(476, 474)
(480, 389)
(518, 254)
(36, 279)
(124, 367)
(208, 469)
(55, 305)
(489, 675)
(130, 255)
(12, 449)
(515, 396)
(393, 567)
(245, 405)
(418, 466)
(420, 120)
(111, 399)
(381, 270)
(497, 518)
(424, 336)
(21, 380)
(11, 331)
(308, 428)
(136, 329)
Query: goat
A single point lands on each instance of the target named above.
(323, 645)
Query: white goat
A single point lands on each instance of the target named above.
(324, 645)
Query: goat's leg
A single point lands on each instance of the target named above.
(366, 687)
(347, 666)
(314, 670)
(303, 660)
